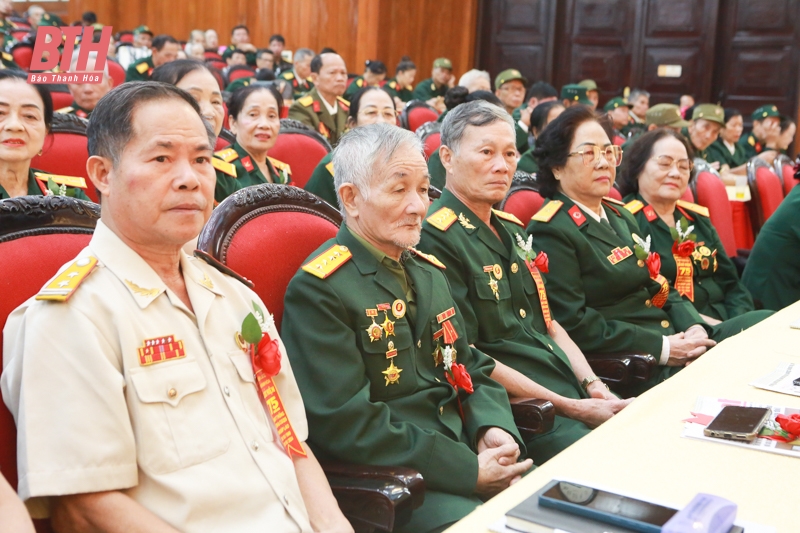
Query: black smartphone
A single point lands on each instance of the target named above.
(738, 423)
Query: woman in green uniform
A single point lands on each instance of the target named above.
(653, 178)
(370, 105)
(401, 86)
(374, 74)
(541, 116)
(726, 148)
(254, 117)
(26, 113)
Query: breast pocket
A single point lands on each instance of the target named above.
(390, 376)
(174, 417)
(493, 308)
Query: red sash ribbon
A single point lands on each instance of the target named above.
(537, 279)
(684, 280)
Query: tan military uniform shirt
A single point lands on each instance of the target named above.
(187, 437)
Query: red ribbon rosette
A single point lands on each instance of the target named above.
(542, 262)
(683, 249)
(653, 262)
(267, 356)
(460, 378)
(790, 424)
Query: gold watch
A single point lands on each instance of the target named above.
(589, 380)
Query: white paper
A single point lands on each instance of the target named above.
(795, 324)
(781, 379)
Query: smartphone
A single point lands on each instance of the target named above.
(606, 507)
(738, 423)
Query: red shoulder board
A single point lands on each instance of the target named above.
(317, 107)
(577, 215)
(247, 163)
(650, 213)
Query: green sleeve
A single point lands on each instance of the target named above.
(422, 92)
(133, 75)
(437, 172)
(749, 151)
(321, 183)
(80, 195)
(718, 152)
(527, 163)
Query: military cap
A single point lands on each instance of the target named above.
(616, 102)
(589, 84)
(443, 62)
(765, 111)
(711, 112)
(509, 75)
(665, 115)
(575, 93)
(142, 29)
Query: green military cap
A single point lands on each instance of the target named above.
(575, 93)
(665, 115)
(443, 62)
(765, 111)
(711, 112)
(616, 102)
(507, 76)
(589, 84)
(142, 29)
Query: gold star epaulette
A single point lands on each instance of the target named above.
(344, 103)
(548, 211)
(613, 200)
(508, 216)
(69, 181)
(289, 76)
(228, 155)
(699, 209)
(751, 141)
(142, 67)
(328, 261)
(427, 257)
(63, 286)
(306, 101)
(280, 165)
(360, 82)
(8, 57)
(442, 219)
(329, 167)
(224, 167)
(392, 84)
(66, 110)
(634, 206)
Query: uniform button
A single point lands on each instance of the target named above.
(285, 499)
(172, 393)
(438, 380)
(227, 391)
(550, 346)
(419, 344)
(522, 313)
(514, 268)
(640, 263)
(648, 303)
(254, 445)
(441, 410)
(665, 323)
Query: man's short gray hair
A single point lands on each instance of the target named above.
(303, 53)
(476, 113)
(472, 75)
(636, 93)
(362, 153)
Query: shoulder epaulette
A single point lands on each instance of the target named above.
(613, 200)
(68, 109)
(64, 285)
(508, 216)
(224, 167)
(7, 56)
(751, 141)
(328, 261)
(329, 167)
(228, 155)
(222, 268)
(69, 181)
(546, 213)
(306, 101)
(428, 257)
(392, 84)
(442, 219)
(634, 206)
(699, 209)
(345, 104)
(280, 165)
(142, 67)
(409, 88)
(289, 76)
(360, 82)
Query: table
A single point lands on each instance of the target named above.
(640, 450)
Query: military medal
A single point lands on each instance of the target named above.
(464, 221)
(399, 309)
(492, 282)
(619, 254)
(391, 352)
(497, 270)
(374, 330)
(682, 249)
(387, 325)
(392, 374)
(160, 349)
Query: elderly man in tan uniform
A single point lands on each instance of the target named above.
(131, 373)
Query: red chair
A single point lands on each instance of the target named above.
(417, 113)
(61, 99)
(615, 194)
(23, 55)
(116, 72)
(65, 150)
(766, 190)
(126, 37)
(240, 73)
(431, 137)
(523, 199)
(224, 139)
(20, 34)
(216, 63)
(38, 234)
(301, 148)
(784, 168)
(711, 193)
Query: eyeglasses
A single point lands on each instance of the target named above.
(613, 155)
(665, 163)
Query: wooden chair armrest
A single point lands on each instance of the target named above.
(622, 371)
(407, 477)
(533, 417)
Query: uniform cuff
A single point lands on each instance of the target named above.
(522, 125)
(664, 351)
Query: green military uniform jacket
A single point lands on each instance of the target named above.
(250, 57)
(281, 66)
(7, 61)
(299, 87)
(427, 89)
(718, 293)
(356, 85)
(311, 111)
(241, 83)
(527, 162)
(37, 185)
(76, 110)
(508, 323)
(406, 94)
(719, 152)
(357, 411)
(321, 181)
(437, 171)
(140, 70)
(633, 129)
(237, 170)
(772, 273)
(751, 146)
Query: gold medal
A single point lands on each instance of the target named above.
(240, 342)
(438, 356)
(497, 271)
(392, 374)
(399, 309)
(705, 251)
(375, 332)
(705, 263)
(391, 352)
(493, 286)
(388, 326)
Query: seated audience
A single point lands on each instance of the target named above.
(234, 58)
(323, 109)
(86, 95)
(475, 80)
(654, 175)
(247, 77)
(156, 339)
(298, 75)
(26, 114)
(591, 92)
(195, 37)
(640, 102)
(726, 150)
(509, 87)
(265, 59)
(196, 51)
(198, 80)
(212, 41)
(240, 40)
(277, 43)
(788, 131)
(617, 110)
(685, 102)
(14, 517)
(765, 133)
(538, 93)
(370, 105)
(657, 116)
(542, 115)
(401, 87)
(164, 49)
(142, 47)
(704, 128)
(502, 309)
(433, 89)
(379, 397)
(254, 116)
(374, 74)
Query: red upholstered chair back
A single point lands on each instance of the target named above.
(265, 233)
(417, 113)
(523, 199)
(116, 72)
(784, 169)
(301, 148)
(216, 63)
(126, 37)
(23, 54)
(38, 234)
(615, 194)
(711, 193)
(61, 99)
(65, 150)
(431, 137)
(240, 73)
(20, 34)
(209, 54)
(766, 190)
(224, 139)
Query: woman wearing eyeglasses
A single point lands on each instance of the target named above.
(653, 177)
(600, 292)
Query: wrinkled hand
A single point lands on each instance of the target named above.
(685, 347)
(493, 475)
(495, 437)
(598, 390)
(594, 411)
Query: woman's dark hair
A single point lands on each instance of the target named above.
(539, 115)
(459, 95)
(552, 145)
(375, 66)
(174, 71)
(730, 113)
(355, 102)
(639, 153)
(265, 74)
(404, 65)
(786, 122)
(44, 93)
(486, 96)
(238, 98)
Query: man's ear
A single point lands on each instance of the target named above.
(446, 155)
(347, 195)
(99, 169)
(314, 77)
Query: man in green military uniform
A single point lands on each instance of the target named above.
(766, 131)
(574, 94)
(497, 284)
(617, 110)
(374, 74)
(703, 129)
(277, 43)
(592, 92)
(378, 347)
(7, 61)
(165, 50)
(509, 87)
(323, 109)
(237, 170)
(240, 40)
(299, 75)
(437, 85)
(86, 95)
